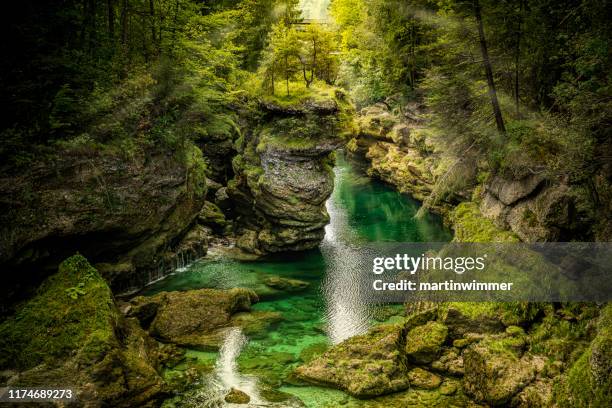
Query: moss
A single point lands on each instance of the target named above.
(475, 310)
(588, 383)
(424, 342)
(196, 171)
(55, 323)
(471, 226)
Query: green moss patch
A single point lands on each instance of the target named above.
(72, 310)
(471, 226)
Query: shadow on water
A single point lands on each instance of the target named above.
(329, 310)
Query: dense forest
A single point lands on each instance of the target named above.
(181, 180)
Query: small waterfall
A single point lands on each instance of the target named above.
(180, 262)
(227, 376)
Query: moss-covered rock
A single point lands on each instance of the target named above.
(284, 173)
(471, 226)
(114, 210)
(235, 396)
(285, 284)
(423, 344)
(365, 366)
(212, 216)
(256, 324)
(423, 379)
(71, 333)
(468, 317)
(450, 363)
(537, 210)
(496, 370)
(194, 318)
(588, 382)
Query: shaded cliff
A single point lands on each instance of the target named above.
(128, 213)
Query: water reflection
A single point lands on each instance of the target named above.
(363, 211)
(346, 315)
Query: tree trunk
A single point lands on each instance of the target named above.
(111, 18)
(152, 16)
(314, 60)
(489, 71)
(517, 59)
(174, 26)
(287, 74)
(124, 22)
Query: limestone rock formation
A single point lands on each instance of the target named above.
(495, 372)
(283, 175)
(533, 208)
(365, 366)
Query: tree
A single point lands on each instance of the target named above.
(499, 121)
(284, 54)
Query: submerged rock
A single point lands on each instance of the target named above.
(194, 318)
(286, 284)
(72, 334)
(235, 396)
(256, 324)
(364, 366)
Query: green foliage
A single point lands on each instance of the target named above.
(307, 53)
(382, 47)
(94, 75)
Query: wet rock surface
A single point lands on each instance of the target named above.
(235, 396)
(488, 367)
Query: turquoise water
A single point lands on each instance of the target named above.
(328, 311)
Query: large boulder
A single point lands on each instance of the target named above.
(71, 333)
(199, 318)
(534, 209)
(509, 191)
(495, 371)
(364, 366)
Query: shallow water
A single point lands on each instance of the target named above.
(329, 311)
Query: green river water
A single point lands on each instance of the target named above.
(361, 210)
